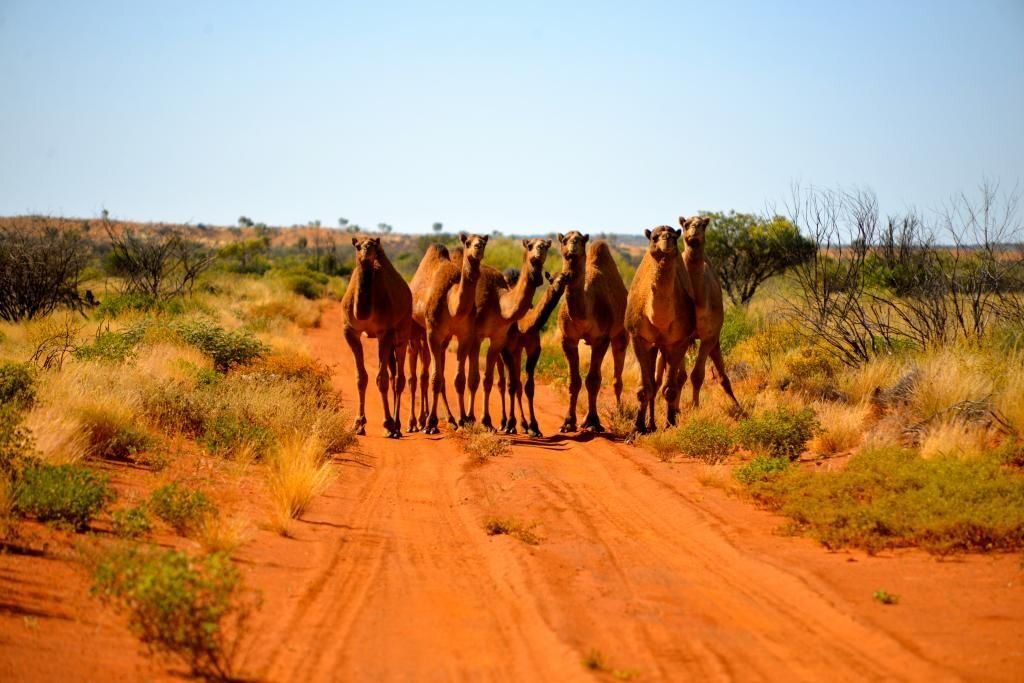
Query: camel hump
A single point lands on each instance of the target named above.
(436, 251)
(455, 256)
(600, 255)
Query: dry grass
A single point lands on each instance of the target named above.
(220, 534)
(506, 526)
(842, 427)
(954, 438)
(287, 307)
(1009, 400)
(59, 435)
(299, 472)
(880, 373)
(948, 378)
(480, 444)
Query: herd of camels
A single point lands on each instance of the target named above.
(674, 300)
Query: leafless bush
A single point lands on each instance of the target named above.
(160, 265)
(40, 268)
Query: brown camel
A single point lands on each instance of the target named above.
(377, 303)
(706, 293)
(443, 306)
(593, 312)
(525, 336)
(659, 318)
(499, 306)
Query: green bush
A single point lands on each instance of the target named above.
(705, 438)
(782, 433)
(185, 510)
(16, 446)
(735, 328)
(131, 522)
(304, 286)
(226, 348)
(193, 608)
(111, 346)
(111, 436)
(226, 433)
(760, 469)
(889, 498)
(61, 493)
(17, 386)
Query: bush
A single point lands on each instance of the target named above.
(41, 266)
(112, 433)
(185, 510)
(62, 493)
(890, 497)
(735, 328)
(706, 438)
(304, 286)
(131, 522)
(229, 433)
(16, 446)
(16, 385)
(115, 347)
(193, 608)
(760, 469)
(782, 433)
(227, 349)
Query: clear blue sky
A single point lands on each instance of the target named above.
(522, 117)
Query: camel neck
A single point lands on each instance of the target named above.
(575, 293)
(464, 294)
(664, 291)
(693, 258)
(364, 291)
(515, 303)
(538, 316)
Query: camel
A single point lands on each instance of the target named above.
(499, 306)
(525, 336)
(377, 303)
(443, 305)
(706, 294)
(593, 312)
(660, 318)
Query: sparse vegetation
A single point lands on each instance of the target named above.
(502, 526)
(781, 433)
(17, 386)
(186, 510)
(192, 608)
(299, 472)
(480, 444)
(131, 522)
(885, 597)
(705, 438)
(66, 494)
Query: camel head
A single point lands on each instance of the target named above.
(367, 250)
(536, 254)
(664, 241)
(694, 229)
(473, 248)
(574, 246)
(559, 281)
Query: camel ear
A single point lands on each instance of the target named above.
(682, 221)
(561, 238)
(526, 243)
(547, 276)
(586, 238)
(678, 233)
(647, 233)
(463, 237)
(355, 241)
(547, 244)
(485, 238)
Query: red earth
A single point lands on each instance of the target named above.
(640, 568)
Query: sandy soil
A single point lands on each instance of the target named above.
(391, 577)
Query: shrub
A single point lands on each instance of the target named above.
(481, 444)
(760, 469)
(226, 348)
(705, 438)
(161, 265)
(299, 472)
(111, 346)
(782, 433)
(735, 328)
(112, 433)
(16, 445)
(41, 266)
(131, 522)
(229, 433)
(185, 510)
(62, 493)
(887, 498)
(193, 608)
(304, 286)
(17, 386)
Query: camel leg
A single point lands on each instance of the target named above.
(414, 356)
(572, 356)
(502, 385)
(697, 374)
(385, 350)
(437, 353)
(398, 381)
(362, 379)
(424, 382)
(592, 422)
(492, 359)
(532, 358)
(511, 361)
(619, 346)
(646, 357)
(719, 365)
(473, 378)
(460, 382)
(674, 359)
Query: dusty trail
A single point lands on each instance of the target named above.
(395, 578)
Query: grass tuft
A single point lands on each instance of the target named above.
(299, 472)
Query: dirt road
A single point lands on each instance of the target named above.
(640, 567)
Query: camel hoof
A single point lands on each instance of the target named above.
(413, 427)
(486, 424)
(593, 428)
(568, 426)
(535, 433)
(432, 429)
(510, 428)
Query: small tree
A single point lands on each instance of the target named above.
(160, 265)
(746, 250)
(244, 222)
(342, 222)
(40, 269)
(437, 227)
(384, 228)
